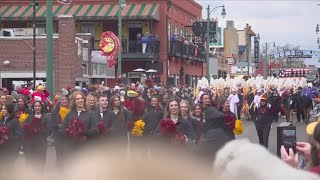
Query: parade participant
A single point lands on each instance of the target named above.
(173, 113)
(164, 100)
(80, 124)
(275, 101)
(234, 101)
(92, 103)
(23, 108)
(187, 115)
(105, 115)
(11, 134)
(153, 116)
(250, 99)
(119, 127)
(3, 99)
(214, 135)
(42, 95)
(59, 112)
(289, 104)
(298, 98)
(264, 121)
(198, 114)
(36, 131)
(205, 100)
(229, 118)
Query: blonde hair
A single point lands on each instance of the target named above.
(89, 97)
(73, 100)
(189, 114)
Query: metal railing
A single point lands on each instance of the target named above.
(187, 51)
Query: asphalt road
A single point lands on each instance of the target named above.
(249, 133)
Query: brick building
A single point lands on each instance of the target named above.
(161, 17)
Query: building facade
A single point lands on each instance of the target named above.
(159, 19)
(231, 46)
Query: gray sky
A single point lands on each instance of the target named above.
(282, 22)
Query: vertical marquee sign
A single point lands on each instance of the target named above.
(256, 51)
(110, 47)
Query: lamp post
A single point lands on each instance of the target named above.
(317, 31)
(122, 4)
(34, 4)
(223, 14)
(265, 63)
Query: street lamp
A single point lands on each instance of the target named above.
(265, 63)
(122, 4)
(223, 14)
(34, 4)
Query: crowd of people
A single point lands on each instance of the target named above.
(200, 120)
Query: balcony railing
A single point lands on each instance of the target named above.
(140, 51)
(187, 51)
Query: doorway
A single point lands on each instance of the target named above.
(134, 42)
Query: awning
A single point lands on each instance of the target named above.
(98, 11)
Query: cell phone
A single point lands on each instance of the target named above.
(289, 138)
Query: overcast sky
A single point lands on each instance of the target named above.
(282, 22)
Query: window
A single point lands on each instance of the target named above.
(101, 69)
(94, 69)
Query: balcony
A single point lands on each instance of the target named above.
(132, 50)
(135, 50)
(187, 51)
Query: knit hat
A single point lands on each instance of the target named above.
(263, 98)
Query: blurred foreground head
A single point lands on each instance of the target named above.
(241, 159)
(118, 163)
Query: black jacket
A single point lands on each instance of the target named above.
(13, 144)
(36, 144)
(183, 127)
(264, 115)
(152, 119)
(88, 117)
(214, 136)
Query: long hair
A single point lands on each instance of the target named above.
(42, 107)
(121, 108)
(73, 100)
(58, 104)
(89, 97)
(202, 111)
(10, 109)
(315, 149)
(189, 113)
(167, 112)
(206, 94)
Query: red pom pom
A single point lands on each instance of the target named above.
(167, 128)
(4, 131)
(102, 126)
(75, 129)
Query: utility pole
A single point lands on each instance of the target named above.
(34, 5)
(49, 50)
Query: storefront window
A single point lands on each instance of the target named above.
(94, 69)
